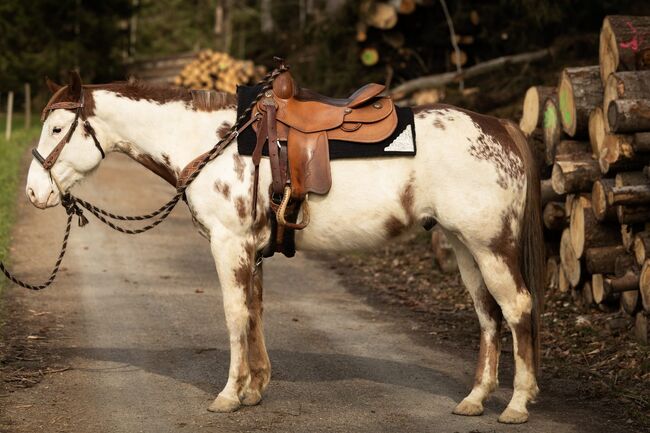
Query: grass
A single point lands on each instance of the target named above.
(11, 154)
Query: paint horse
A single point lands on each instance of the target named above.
(474, 175)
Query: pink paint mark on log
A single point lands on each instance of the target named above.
(633, 43)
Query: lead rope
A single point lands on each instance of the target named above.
(72, 203)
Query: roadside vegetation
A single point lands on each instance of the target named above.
(11, 154)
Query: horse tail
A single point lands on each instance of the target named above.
(532, 247)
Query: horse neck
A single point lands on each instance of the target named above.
(171, 134)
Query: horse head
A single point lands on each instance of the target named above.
(68, 149)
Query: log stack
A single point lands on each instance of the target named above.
(594, 129)
(218, 71)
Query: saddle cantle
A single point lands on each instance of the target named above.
(306, 121)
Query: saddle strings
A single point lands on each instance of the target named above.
(72, 204)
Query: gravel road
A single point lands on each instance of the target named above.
(139, 321)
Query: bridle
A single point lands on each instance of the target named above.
(48, 163)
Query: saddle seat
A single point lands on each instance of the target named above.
(306, 121)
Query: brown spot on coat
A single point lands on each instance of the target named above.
(489, 348)
(224, 130)
(240, 205)
(522, 331)
(222, 188)
(158, 168)
(395, 226)
(438, 124)
(506, 246)
(240, 166)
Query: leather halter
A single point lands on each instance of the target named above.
(51, 159)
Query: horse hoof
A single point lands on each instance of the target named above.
(251, 398)
(224, 405)
(467, 408)
(511, 416)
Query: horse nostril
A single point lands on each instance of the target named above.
(31, 194)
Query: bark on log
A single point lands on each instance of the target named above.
(618, 154)
(641, 142)
(631, 301)
(580, 91)
(440, 80)
(601, 290)
(596, 130)
(552, 127)
(554, 216)
(641, 328)
(602, 260)
(641, 247)
(606, 288)
(632, 214)
(585, 230)
(625, 85)
(629, 195)
(644, 285)
(533, 108)
(574, 173)
(624, 44)
(587, 294)
(629, 178)
(629, 115)
(599, 192)
(570, 262)
(548, 193)
(628, 231)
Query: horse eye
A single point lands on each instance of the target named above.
(56, 130)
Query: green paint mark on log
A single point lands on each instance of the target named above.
(567, 116)
(550, 117)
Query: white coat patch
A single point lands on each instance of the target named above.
(403, 142)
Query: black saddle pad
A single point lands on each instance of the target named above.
(400, 143)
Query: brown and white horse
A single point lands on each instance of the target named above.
(473, 175)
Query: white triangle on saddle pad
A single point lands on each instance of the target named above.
(403, 142)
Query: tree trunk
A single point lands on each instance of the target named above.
(574, 173)
(618, 154)
(630, 195)
(580, 91)
(599, 192)
(602, 260)
(552, 127)
(534, 107)
(585, 230)
(602, 290)
(629, 115)
(628, 232)
(554, 216)
(587, 294)
(548, 193)
(596, 130)
(644, 285)
(641, 142)
(569, 260)
(552, 272)
(605, 288)
(632, 214)
(562, 282)
(641, 247)
(623, 45)
(624, 85)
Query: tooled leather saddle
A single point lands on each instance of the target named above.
(297, 125)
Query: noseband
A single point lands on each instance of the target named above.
(51, 159)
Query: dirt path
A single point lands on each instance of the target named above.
(140, 325)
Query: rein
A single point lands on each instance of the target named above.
(73, 205)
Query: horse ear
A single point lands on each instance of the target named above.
(52, 85)
(75, 84)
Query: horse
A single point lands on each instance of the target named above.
(473, 175)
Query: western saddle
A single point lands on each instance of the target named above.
(297, 124)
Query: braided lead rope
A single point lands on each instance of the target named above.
(71, 211)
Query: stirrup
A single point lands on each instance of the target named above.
(280, 214)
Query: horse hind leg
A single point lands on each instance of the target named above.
(505, 283)
(490, 318)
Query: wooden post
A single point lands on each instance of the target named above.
(10, 112)
(28, 106)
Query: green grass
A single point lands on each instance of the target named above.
(11, 154)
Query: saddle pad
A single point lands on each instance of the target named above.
(400, 143)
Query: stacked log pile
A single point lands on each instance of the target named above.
(593, 131)
(218, 71)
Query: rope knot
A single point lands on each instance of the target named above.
(71, 207)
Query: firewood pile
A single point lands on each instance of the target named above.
(218, 71)
(592, 134)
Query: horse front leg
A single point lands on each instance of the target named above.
(258, 359)
(234, 259)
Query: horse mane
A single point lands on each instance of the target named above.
(198, 100)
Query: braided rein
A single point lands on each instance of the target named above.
(73, 205)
